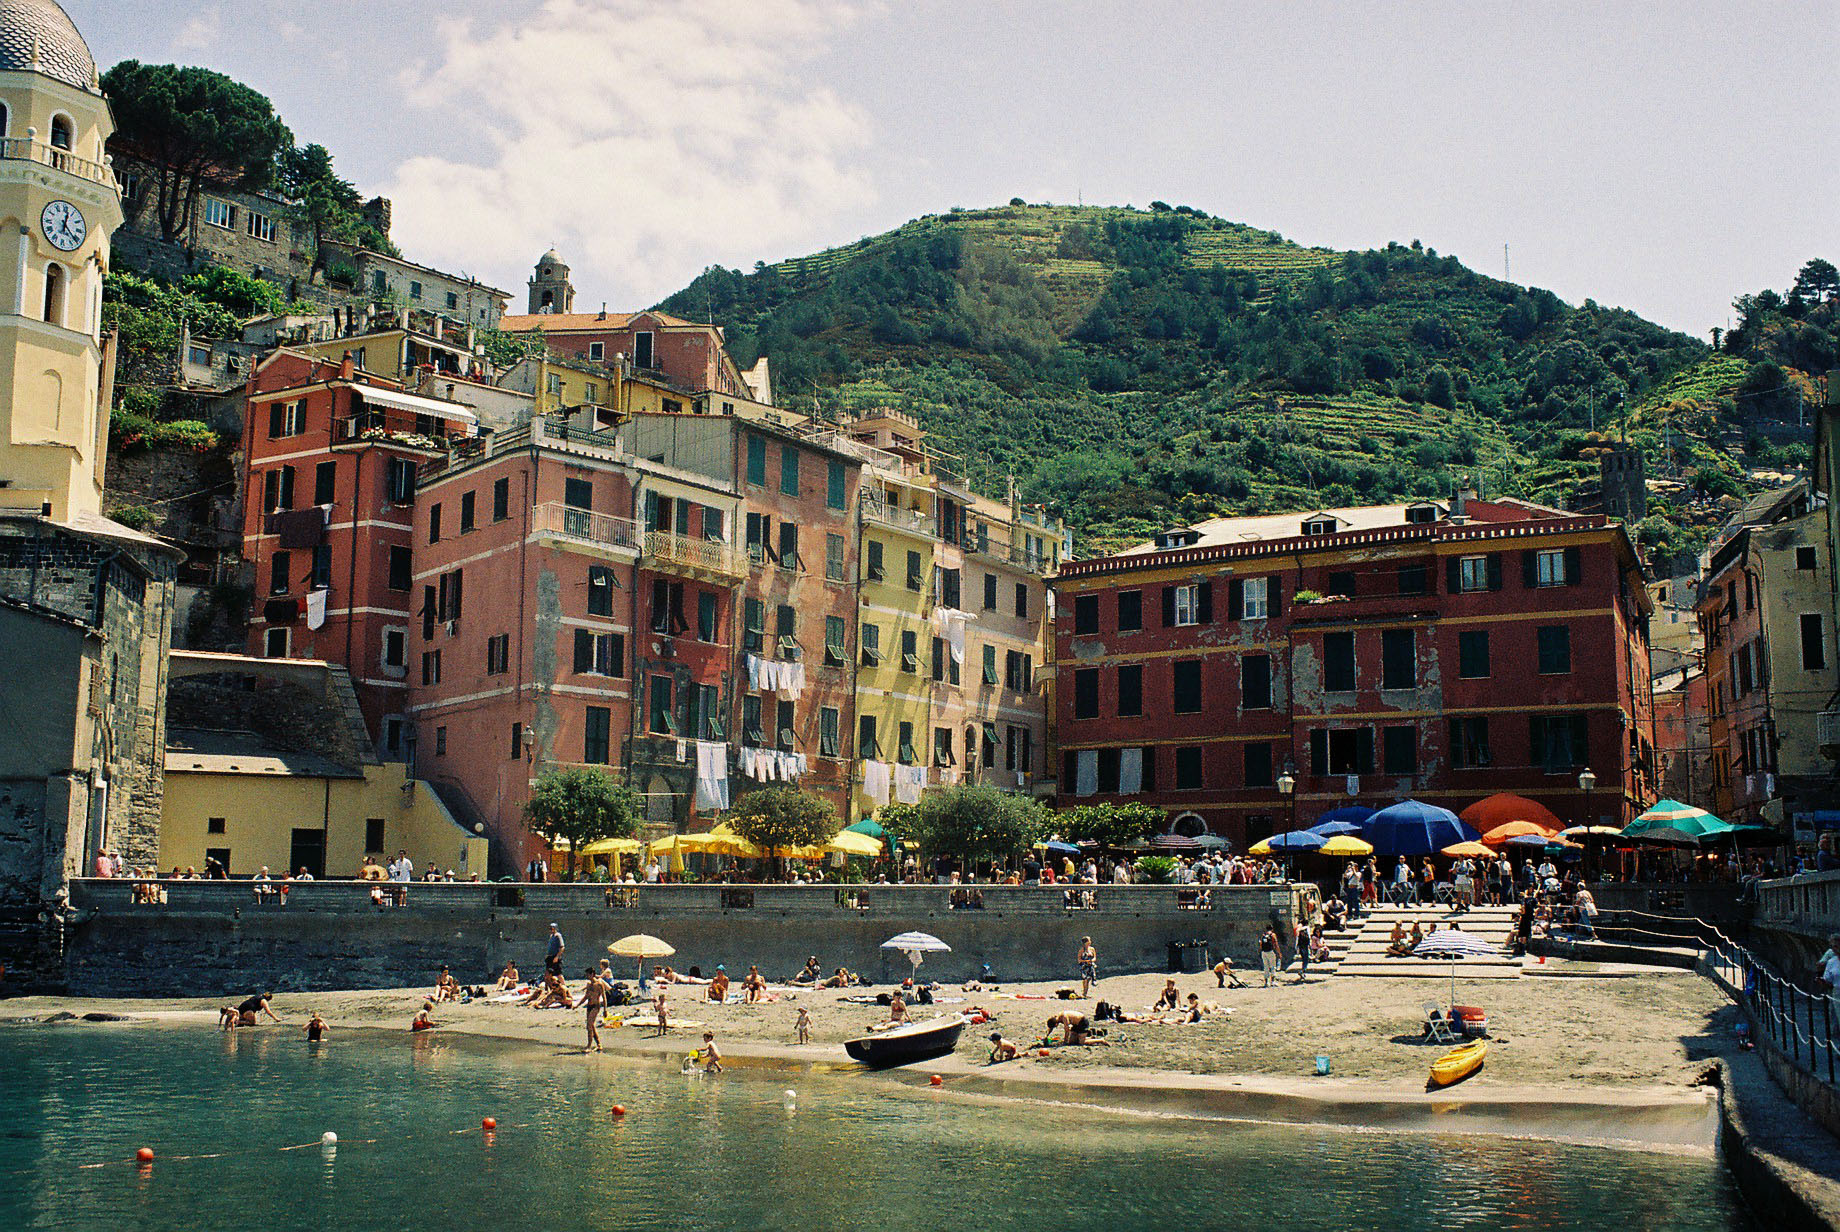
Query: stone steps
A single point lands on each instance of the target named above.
(1363, 953)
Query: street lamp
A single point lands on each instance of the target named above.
(1287, 787)
(1587, 781)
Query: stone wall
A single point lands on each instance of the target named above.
(212, 937)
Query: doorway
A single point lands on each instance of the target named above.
(308, 851)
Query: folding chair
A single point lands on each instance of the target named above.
(1437, 1024)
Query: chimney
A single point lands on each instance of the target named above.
(1459, 504)
(348, 367)
(603, 315)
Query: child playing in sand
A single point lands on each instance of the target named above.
(804, 1025)
(661, 1011)
(1001, 1049)
(712, 1059)
(422, 1020)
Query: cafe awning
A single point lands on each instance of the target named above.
(416, 404)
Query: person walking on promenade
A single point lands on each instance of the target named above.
(1089, 967)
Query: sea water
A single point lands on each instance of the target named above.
(235, 1122)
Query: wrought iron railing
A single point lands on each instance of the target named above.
(587, 526)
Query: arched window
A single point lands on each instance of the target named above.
(549, 299)
(6, 120)
(1189, 825)
(55, 288)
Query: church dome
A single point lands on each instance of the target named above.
(552, 257)
(62, 53)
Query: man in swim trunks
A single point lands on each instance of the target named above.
(594, 998)
(1075, 1029)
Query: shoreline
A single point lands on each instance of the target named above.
(1667, 1117)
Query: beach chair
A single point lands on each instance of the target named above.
(1437, 1024)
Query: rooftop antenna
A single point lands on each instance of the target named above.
(1504, 264)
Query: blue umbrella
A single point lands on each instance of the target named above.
(1355, 815)
(1296, 840)
(1059, 848)
(1334, 829)
(1413, 828)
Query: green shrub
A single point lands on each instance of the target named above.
(134, 517)
(1157, 870)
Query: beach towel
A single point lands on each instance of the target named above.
(651, 1020)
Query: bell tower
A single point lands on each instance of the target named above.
(550, 291)
(59, 202)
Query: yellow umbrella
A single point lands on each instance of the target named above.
(1471, 849)
(1260, 848)
(642, 946)
(852, 843)
(1345, 845)
(612, 847)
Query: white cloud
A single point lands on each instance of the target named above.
(642, 139)
(203, 31)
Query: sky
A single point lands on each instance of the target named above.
(1661, 158)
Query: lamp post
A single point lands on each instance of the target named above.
(1587, 781)
(1287, 787)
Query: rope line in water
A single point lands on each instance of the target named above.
(298, 1146)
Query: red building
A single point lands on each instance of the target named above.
(329, 461)
(1362, 655)
(687, 354)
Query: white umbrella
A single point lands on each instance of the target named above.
(1454, 944)
(913, 945)
(641, 946)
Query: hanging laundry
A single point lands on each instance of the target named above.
(951, 625)
(909, 782)
(792, 680)
(316, 607)
(711, 775)
(682, 750)
(875, 781)
(753, 666)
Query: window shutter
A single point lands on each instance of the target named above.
(584, 651)
(1494, 570)
(1574, 566)
(1458, 756)
(1536, 741)
(429, 612)
(1204, 603)
(1319, 751)
(1236, 599)
(1453, 574)
(1273, 605)
(1530, 568)
(1581, 750)
(1169, 607)
(1364, 750)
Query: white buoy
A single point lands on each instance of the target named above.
(790, 1094)
(329, 1138)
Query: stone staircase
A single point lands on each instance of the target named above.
(1364, 952)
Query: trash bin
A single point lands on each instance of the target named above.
(1188, 957)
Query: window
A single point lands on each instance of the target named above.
(662, 721)
(942, 747)
(380, 281)
(916, 575)
(275, 643)
(1558, 741)
(759, 537)
(279, 566)
(789, 470)
(286, 419)
(415, 289)
(1258, 763)
(453, 301)
(1414, 580)
(751, 735)
(875, 568)
(706, 712)
(321, 576)
(600, 654)
(836, 653)
(399, 481)
(1086, 693)
(1319, 526)
(910, 653)
(393, 735)
(498, 654)
(707, 610)
(1253, 605)
(1550, 568)
(54, 294)
(1188, 768)
(1473, 654)
(990, 592)
(1814, 643)
(325, 482)
(1555, 642)
(597, 351)
(1805, 559)
(201, 356)
(440, 742)
(261, 227)
(713, 528)
(1342, 750)
(1255, 682)
(990, 663)
(1338, 662)
(951, 589)
(867, 747)
(373, 834)
(396, 650)
(431, 667)
(1022, 600)
(786, 630)
(1130, 610)
(1187, 686)
(904, 751)
(501, 499)
(830, 720)
(789, 546)
(1473, 573)
(597, 733)
(783, 727)
(1130, 690)
(600, 590)
(469, 510)
(219, 213)
(1342, 583)
(668, 608)
(833, 558)
(1085, 614)
(278, 489)
(836, 492)
(1188, 605)
(434, 522)
(871, 645)
(642, 349)
(756, 459)
(1018, 671)
(1399, 750)
(1398, 659)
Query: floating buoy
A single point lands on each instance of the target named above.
(489, 1123)
(619, 1110)
(937, 1081)
(145, 1154)
(790, 1094)
(329, 1138)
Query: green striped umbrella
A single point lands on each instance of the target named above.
(1673, 815)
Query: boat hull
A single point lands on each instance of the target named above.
(1458, 1063)
(905, 1045)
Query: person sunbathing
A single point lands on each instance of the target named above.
(1396, 945)
(810, 977)
(552, 991)
(446, 987)
(1169, 998)
(1001, 1049)
(508, 978)
(843, 979)
(897, 1015)
(718, 987)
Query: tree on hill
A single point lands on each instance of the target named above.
(194, 127)
(579, 805)
(326, 202)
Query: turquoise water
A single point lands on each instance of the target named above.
(723, 1151)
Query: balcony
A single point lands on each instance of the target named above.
(703, 558)
(370, 428)
(1827, 732)
(911, 520)
(25, 149)
(600, 533)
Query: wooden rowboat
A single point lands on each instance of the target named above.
(1458, 1063)
(914, 1042)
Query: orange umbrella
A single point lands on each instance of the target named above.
(1471, 849)
(1514, 829)
(1504, 807)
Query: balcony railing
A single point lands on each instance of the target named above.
(585, 526)
(25, 149)
(704, 557)
(1827, 732)
(370, 428)
(894, 515)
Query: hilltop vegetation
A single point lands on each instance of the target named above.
(1138, 368)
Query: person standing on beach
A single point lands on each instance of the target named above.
(1268, 956)
(1089, 967)
(594, 997)
(552, 960)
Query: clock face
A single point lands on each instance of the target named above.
(64, 226)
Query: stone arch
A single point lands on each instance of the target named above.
(1189, 825)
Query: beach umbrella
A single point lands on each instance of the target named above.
(1581, 833)
(1673, 815)
(1344, 845)
(1504, 807)
(1058, 847)
(642, 946)
(1455, 945)
(1512, 830)
(1469, 849)
(1347, 815)
(1290, 841)
(855, 843)
(1335, 829)
(915, 945)
(1413, 828)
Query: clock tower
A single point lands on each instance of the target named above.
(59, 202)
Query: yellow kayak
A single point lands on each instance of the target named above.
(1458, 1063)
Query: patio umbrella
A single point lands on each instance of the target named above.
(855, 843)
(1582, 833)
(1344, 845)
(1289, 842)
(1503, 807)
(1670, 836)
(642, 946)
(1754, 836)
(1413, 828)
(1538, 842)
(1175, 842)
(914, 945)
(1055, 846)
(1673, 815)
(1347, 814)
(1456, 945)
(1335, 829)
(870, 827)
(1511, 830)
(1468, 849)
(1213, 842)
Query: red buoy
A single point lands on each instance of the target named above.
(1043, 1053)
(619, 1110)
(937, 1081)
(489, 1123)
(145, 1154)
